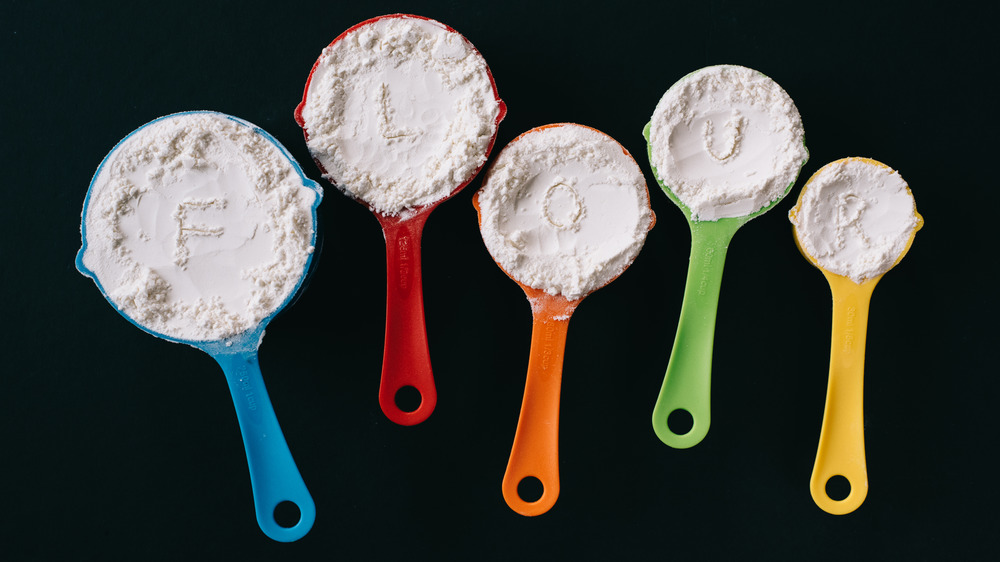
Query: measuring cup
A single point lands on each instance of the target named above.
(274, 477)
(535, 451)
(687, 383)
(406, 364)
(841, 449)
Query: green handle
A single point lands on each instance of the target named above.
(688, 380)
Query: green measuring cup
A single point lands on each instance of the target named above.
(687, 384)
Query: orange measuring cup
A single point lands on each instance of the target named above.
(535, 450)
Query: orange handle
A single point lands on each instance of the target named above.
(535, 452)
(406, 360)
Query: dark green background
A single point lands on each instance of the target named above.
(115, 445)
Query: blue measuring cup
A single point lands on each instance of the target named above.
(274, 477)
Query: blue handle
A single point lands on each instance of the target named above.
(273, 474)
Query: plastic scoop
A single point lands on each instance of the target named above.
(214, 246)
(406, 364)
(731, 143)
(859, 265)
(567, 203)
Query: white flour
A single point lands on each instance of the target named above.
(855, 217)
(564, 209)
(727, 141)
(198, 227)
(400, 112)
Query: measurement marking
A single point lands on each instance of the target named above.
(706, 261)
(849, 329)
(247, 387)
(547, 346)
(405, 262)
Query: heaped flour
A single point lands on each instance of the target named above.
(727, 141)
(399, 112)
(564, 209)
(197, 226)
(855, 217)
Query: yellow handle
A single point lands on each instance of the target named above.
(842, 438)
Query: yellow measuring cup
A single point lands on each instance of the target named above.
(854, 220)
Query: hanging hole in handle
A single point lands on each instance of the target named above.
(680, 422)
(838, 488)
(287, 514)
(408, 399)
(530, 489)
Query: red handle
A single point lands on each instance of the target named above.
(406, 361)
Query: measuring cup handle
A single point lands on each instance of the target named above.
(841, 450)
(688, 381)
(273, 475)
(535, 452)
(406, 360)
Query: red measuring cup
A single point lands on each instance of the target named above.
(406, 361)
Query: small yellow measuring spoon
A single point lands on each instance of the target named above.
(855, 219)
